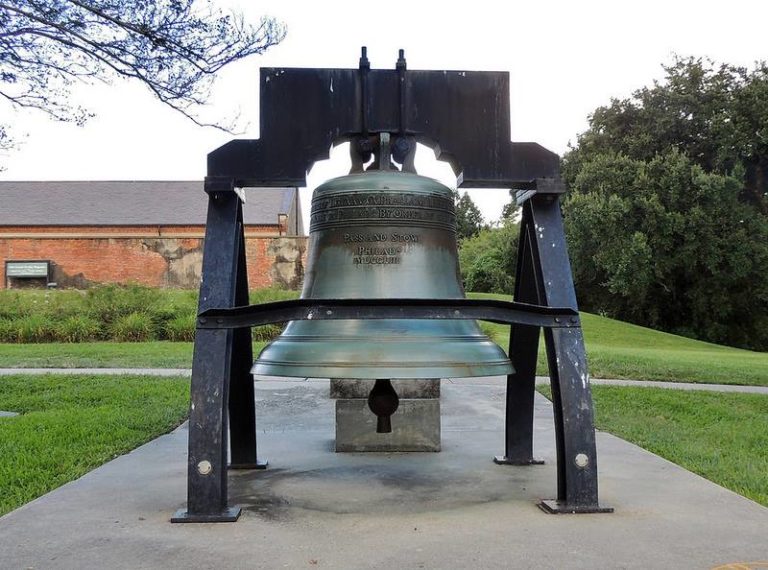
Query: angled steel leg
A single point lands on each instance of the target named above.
(566, 355)
(242, 410)
(524, 347)
(212, 368)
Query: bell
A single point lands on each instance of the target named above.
(382, 234)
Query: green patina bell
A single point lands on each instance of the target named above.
(382, 234)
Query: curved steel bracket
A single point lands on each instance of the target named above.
(505, 312)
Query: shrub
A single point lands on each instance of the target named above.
(268, 295)
(32, 328)
(108, 303)
(78, 328)
(133, 327)
(487, 274)
(180, 328)
(163, 314)
(58, 305)
(112, 312)
(7, 330)
(487, 260)
(11, 305)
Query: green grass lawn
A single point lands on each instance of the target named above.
(722, 437)
(155, 354)
(72, 424)
(620, 350)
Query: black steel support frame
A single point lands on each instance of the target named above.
(222, 393)
(544, 277)
(327, 106)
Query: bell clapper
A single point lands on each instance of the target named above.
(383, 402)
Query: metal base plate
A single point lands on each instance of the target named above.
(553, 507)
(260, 464)
(503, 460)
(230, 514)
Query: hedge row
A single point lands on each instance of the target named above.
(131, 313)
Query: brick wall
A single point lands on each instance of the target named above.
(155, 256)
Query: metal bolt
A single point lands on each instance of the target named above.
(203, 321)
(557, 319)
(204, 467)
(581, 460)
(329, 312)
(219, 321)
(574, 319)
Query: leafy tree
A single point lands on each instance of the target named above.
(717, 115)
(663, 243)
(667, 214)
(509, 211)
(173, 47)
(487, 259)
(469, 220)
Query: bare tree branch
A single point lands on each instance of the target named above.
(173, 47)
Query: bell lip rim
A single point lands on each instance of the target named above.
(387, 371)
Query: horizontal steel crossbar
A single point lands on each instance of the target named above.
(505, 312)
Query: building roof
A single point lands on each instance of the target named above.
(133, 203)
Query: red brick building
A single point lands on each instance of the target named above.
(138, 231)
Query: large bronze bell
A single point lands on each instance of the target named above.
(382, 234)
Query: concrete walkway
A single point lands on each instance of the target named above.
(314, 508)
(490, 381)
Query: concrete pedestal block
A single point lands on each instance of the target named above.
(415, 426)
(407, 388)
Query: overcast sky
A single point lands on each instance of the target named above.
(564, 57)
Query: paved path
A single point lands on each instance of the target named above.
(490, 381)
(313, 508)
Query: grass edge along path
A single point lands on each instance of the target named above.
(722, 437)
(69, 425)
(152, 354)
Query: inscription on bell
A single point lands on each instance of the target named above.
(376, 260)
(379, 250)
(381, 255)
(373, 255)
(399, 213)
(379, 209)
(381, 199)
(398, 238)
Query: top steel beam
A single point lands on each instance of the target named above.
(462, 115)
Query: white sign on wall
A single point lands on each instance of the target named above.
(26, 269)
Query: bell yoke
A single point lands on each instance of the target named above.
(382, 296)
